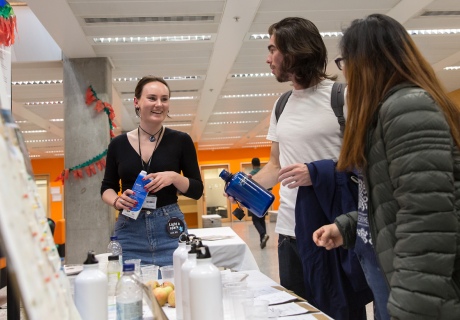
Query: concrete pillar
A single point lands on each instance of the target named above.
(89, 221)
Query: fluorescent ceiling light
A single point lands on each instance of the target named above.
(41, 103)
(20, 121)
(252, 75)
(241, 112)
(55, 151)
(249, 95)
(433, 32)
(215, 145)
(34, 131)
(221, 138)
(265, 142)
(34, 156)
(165, 78)
(141, 39)
(56, 120)
(218, 148)
(452, 68)
(35, 82)
(261, 136)
(266, 36)
(58, 154)
(43, 140)
(232, 122)
(257, 146)
(181, 115)
(178, 125)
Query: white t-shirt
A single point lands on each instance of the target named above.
(306, 131)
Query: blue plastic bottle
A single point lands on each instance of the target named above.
(140, 194)
(248, 192)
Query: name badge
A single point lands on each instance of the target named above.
(150, 202)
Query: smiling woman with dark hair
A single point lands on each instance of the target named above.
(403, 134)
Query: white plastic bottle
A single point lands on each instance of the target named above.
(140, 194)
(187, 266)
(205, 288)
(113, 274)
(114, 247)
(91, 290)
(179, 256)
(129, 295)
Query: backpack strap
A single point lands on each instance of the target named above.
(281, 103)
(337, 102)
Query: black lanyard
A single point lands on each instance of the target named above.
(157, 141)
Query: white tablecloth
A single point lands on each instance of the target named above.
(232, 253)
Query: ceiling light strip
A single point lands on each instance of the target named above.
(241, 112)
(41, 103)
(221, 138)
(251, 75)
(144, 39)
(168, 78)
(178, 125)
(452, 68)
(43, 140)
(232, 122)
(35, 82)
(34, 131)
(250, 95)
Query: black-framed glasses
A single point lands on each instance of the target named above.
(340, 62)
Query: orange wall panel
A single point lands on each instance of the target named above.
(52, 167)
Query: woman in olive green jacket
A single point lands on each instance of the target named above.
(403, 134)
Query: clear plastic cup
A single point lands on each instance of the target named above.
(237, 298)
(167, 274)
(227, 289)
(149, 273)
(256, 310)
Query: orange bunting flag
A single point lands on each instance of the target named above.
(103, 162)
(66, 174)
(88, 171)
(99, 106)
(78, 174)
(90, 97)
(92, 168)
(99, 165)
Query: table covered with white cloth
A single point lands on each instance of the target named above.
(227, 249)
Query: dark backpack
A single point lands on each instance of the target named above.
(337, 101)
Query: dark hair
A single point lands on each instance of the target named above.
(379, 54)
(145, 80)
(255, 162)
(303, 49)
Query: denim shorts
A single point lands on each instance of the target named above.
(146, 237)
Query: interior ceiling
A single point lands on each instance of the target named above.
(210, 64)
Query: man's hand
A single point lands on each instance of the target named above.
(295, 175)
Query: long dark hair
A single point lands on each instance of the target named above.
(379, 54)
(303, 49)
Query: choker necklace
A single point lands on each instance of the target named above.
(152, 136)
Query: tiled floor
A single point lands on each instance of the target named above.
(266, 258)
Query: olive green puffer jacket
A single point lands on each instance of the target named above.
(413, 184)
